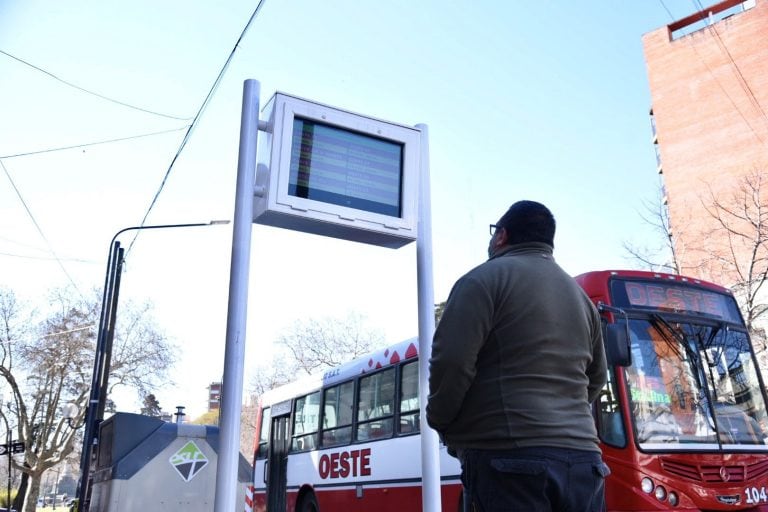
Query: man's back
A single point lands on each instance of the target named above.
(530, 386)
(516, 360)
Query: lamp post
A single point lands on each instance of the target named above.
(56, 487)
(8, 448)
(102, 359)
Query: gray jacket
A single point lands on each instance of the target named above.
(517, 357)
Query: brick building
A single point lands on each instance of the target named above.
(708, 76)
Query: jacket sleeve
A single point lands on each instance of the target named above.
(597, 371)
(459, 336)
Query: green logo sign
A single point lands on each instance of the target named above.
(188, 461)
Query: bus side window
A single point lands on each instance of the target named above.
(409, 398)
(376, 405)
(263, 448)
(609, 423)
(306, 422)
(337, 414)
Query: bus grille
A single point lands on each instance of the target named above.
(714, 473)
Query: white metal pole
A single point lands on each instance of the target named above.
(234, 352)
(430, 448)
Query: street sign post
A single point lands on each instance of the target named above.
(12, 447)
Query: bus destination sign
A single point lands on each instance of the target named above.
(675, 297)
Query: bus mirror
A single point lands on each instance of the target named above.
(616, 341)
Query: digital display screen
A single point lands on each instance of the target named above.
(345, 168)
(674, 297)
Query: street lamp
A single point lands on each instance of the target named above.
(70, 412)
(102, 359)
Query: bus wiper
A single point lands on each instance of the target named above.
(670, 337)
(675, 339)
(708, 344)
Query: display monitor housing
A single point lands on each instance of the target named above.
(331, 172)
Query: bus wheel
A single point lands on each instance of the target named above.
(308, 503)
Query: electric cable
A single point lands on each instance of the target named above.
(39, 230)
(197, 117)
(87, 144)
(740, 76)
(122, 103)
(47, 258)
(717, 81)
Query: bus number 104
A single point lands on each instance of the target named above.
(755, 495)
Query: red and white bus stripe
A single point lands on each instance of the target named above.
(248, 498)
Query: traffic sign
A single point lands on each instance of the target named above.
(12, 447)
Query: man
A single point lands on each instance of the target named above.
(517, 359)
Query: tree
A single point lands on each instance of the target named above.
(737, 252)
(207, 418)
(52, 365)
(281, 370)
(151, 406)
(12, 327)
(439, 309)
(307, 347)
(662, 257)
(319, 344)
(727, 245)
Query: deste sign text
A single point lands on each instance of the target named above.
(330, 172)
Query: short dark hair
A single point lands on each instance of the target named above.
(529, 221)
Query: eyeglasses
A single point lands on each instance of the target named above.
(493, 228)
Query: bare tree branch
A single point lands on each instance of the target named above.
(665, 256)
(318, 344)
(738, 241)
(52, 363)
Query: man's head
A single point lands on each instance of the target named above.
(525, 221)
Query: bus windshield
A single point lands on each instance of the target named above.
(694, 384)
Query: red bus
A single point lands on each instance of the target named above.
(682, 420)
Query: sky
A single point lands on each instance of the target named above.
(544, 100)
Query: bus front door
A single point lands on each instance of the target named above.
(277, 464)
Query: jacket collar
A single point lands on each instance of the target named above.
(524, 248)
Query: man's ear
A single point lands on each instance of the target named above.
(501, 238)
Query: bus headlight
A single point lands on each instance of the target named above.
(673, 499)
(660, 493)
(646, 484)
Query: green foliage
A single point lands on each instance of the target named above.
(4, 498)
(439, 308)
(151, 406)
(208, 418)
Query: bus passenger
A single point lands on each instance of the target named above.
(517, 359)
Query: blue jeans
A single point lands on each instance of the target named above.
(540, 479)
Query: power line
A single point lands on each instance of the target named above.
(39, 230)
(740, 76)
(722, 87)
(195, 120)
(47, 258)
(667, 9)
(730, 98)
(122, 103)
(38, 249)
(87, 144)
